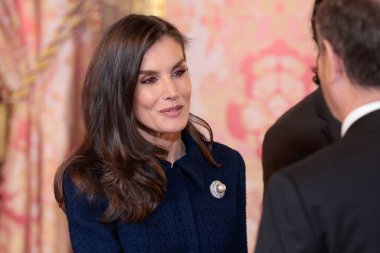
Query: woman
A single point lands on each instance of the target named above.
(145, 179)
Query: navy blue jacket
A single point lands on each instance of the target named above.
(189, 218)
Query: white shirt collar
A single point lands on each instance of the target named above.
(357, 113)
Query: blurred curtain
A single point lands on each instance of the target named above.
(45, 47)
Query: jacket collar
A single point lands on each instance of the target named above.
(357, 113)
(368, 122)
(193, 163)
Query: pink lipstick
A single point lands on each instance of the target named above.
(172, 111)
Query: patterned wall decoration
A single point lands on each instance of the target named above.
(249, 61)
(45, 47)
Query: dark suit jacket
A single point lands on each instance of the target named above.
(330, 201)
(304, 129)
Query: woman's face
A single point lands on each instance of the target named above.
(162, 96)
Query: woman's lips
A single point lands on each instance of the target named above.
(172, 111)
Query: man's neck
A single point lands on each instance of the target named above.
(357, 97)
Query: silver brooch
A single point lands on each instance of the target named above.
(217, 189)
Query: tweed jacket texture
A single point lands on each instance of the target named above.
(189, 218)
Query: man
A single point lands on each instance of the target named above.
(304, 129)
(329, 202)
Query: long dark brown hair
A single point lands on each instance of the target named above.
(114, 160)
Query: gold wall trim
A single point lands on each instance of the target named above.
(149, 7)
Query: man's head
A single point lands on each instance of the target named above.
(352, 27)
(348, 34)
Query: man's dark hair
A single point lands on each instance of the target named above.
(313, 23)
(353, 29)
(315, 38)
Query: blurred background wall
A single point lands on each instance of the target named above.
(249, 61)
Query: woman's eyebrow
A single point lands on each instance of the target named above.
(152, 72)
(148, 72)
(179, 63)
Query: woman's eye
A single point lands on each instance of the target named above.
(149, 80)
(179, 72)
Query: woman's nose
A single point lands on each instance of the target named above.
(171, 89)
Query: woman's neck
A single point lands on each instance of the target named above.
(171, 142)
(176, 150)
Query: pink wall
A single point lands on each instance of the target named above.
(249, 62)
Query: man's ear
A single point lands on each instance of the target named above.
(334, 63)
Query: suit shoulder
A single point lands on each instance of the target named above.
(304, 106)
(316, 163)
(289, 122)
(336, 163)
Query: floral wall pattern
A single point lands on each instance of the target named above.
(249, 61)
